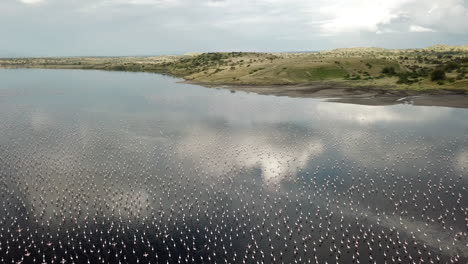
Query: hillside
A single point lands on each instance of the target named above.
(433, 68)
(447, 48)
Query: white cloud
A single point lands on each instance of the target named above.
(353, 16)
(123, 5)
(32, 2)
(165, 26)
(416, 28)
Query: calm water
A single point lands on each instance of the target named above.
(109, 167)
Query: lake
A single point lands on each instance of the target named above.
(109, 167)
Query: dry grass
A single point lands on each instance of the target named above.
(354, 66)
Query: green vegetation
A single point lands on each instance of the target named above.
(438, 75)
(433, 68)
(389, 70)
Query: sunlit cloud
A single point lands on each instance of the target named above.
(416, 28)
(354, 16)
(350, 16)
(32, 2)
(156, 27)
(121, 5)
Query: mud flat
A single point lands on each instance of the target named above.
(342, 93)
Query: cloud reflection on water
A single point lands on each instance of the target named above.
(158, 158)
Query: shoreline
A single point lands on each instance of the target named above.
(362, 95)
(331, 91)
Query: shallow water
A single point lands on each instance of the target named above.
(102, 167)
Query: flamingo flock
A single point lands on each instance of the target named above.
(98, 188)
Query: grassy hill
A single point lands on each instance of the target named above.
(433, 68)
(276, 69)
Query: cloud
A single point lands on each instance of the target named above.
(123, 6)
(416, 28)
(351, 15)
(354, 16)
(32, 2)
(156, 27)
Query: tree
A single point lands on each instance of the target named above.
(388, 70)
(450, 66)
(438, 75)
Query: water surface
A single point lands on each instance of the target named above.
(102, 167)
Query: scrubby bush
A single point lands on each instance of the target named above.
(403, 79)
(464, 60)
(389, 70)
(407, 78)
(438, 75)
(451, 66)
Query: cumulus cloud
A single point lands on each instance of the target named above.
(351, 16)
(416, 28)
(32, 2)
(152, 27)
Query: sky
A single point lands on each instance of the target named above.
(158, 27)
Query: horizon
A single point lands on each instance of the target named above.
(228, 51)
(58, 28)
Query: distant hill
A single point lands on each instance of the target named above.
(370, 50)
(356, 50)
(442, 48)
